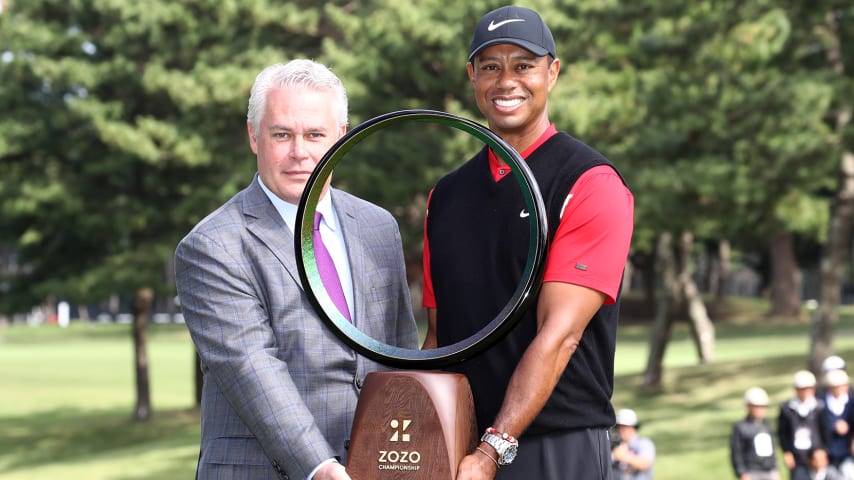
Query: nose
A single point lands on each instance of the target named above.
(298, 150)
(506, 77)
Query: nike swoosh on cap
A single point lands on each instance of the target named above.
(492, 25)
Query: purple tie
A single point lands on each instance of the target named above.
(328, 272)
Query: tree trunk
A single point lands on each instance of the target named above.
(628, 274)
(702, 328)
(785, 277)
(833, 262)
(644, 263)
(141, 314)
(663, 321)
(835, 255)
(724, 260)
(83, 313)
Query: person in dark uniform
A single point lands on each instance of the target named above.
(839, 417)
(801, 427)
(752, 446)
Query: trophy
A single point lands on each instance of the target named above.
(416, 423)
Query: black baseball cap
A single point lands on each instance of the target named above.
(515, 25)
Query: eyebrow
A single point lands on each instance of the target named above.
(290, 129)
(515, 56)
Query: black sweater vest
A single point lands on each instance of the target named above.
(479, 232)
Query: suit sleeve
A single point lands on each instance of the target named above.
(233, 335)
(825, 426)
(784, 432)
(737, 451)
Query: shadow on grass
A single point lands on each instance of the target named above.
(75, 435)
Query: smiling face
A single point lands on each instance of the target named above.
(511, 87)
(297, 127)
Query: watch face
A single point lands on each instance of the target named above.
(509, 455)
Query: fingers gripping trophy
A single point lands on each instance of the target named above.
(418, 422)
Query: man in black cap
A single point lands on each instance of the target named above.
(549, 382)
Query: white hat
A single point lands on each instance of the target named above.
(833, 362)
(803, 379)
(835, 378)
(627, 417)
(756, 396)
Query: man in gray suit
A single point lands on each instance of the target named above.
(280, 389)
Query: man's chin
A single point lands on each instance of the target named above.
(503, 125)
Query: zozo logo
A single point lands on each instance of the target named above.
(399, 434)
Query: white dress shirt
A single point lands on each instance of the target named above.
(333, 237)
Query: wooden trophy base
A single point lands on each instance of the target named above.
(412, 425)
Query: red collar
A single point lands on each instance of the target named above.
(500, 170)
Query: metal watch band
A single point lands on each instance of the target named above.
(506, 450)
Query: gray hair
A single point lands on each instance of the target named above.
(300, 72)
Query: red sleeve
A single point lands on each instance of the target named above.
(592, 240)
(428, 298)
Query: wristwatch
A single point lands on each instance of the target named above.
(506, 445)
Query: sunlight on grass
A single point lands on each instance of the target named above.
(76, 396)
(96, 372)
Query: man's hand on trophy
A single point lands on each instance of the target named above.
(479, 465)
(331, 471)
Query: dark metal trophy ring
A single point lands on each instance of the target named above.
(488, 335)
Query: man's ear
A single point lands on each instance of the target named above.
(554, 70)
(253, 139)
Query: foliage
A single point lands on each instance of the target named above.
(738, 127)
(123, 123)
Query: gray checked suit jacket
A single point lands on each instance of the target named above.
(280, 388)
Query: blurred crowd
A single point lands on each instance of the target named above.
(813, 429)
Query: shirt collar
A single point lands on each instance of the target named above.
(288, 211)
(499, 170)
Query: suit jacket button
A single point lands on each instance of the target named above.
(280, 471)
(359, 382)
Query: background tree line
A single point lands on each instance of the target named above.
(123, 124)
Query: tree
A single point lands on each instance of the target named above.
(123, 125)
(834, 38)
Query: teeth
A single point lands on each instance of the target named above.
(508, 103)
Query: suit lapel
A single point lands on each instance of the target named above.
(265, 223)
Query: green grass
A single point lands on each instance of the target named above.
(66, 396)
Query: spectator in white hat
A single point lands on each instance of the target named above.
(833, 362)
(801, 427)
(752, 449)
(838, 417)
(634, 456)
